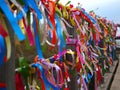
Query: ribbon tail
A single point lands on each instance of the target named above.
(37, 41)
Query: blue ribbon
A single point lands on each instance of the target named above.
(47, 83)
(113, 53)
(37, 42)
(59, 33)
(29, 3)
(2, 88)
(50, 36)
(42, 71)
(91, 18)
(85, 78)
(32, 4)
(89, 42)
(2, 50)
(49, 22)
(11, 19)
(20, 14)
(51, 60)
(89, 76)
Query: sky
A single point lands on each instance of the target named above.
(104, 8)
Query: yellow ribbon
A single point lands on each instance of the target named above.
(22, 26)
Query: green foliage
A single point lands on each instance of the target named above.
(67, 3)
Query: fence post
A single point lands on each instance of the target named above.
(73, 83)
(7, 73)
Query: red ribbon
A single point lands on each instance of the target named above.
(2, 85)
(99, 77)
(66, 89)
(51, 13)
(2, 31)
(19, 82)
(79, 66)
(41, 80)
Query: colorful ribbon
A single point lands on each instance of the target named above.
(47, 83)
(32, 4)
(12, 20)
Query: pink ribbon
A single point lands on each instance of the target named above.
(29, 33)
(78, 50)
(84, 84)
(78, 24)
